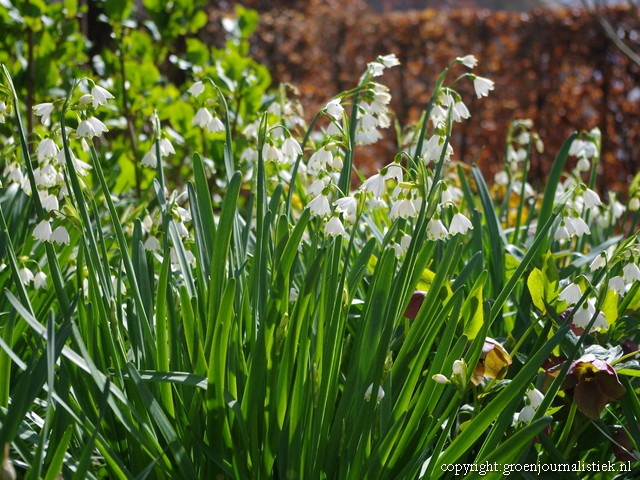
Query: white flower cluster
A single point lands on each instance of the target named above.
(534, 398)
(405, 201)
(49, 171)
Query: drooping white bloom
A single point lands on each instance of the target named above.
(3, 110)
(562, 233)
(630, 272)
(376, 68)
(49, 202)
(215, 125)
(436, 230)
(389, 60)
(47, 149)
(334, 109)
(526, 414)
(319, 206)
(26, 276)
(196, 89)
(460, 112)
(271, 153)
(468, 61)
(89, 128)
(40, 280)
(152, 244)
(617, 209)
(184, 214)
(375, 185)
(598, 262)
(482, 86)
(43, 110)
(501, 178)
(584, 314)
(393, 171)
(149, 160)
(535, 397)
(42, 231)
(320, 160)
(591, 198)
(85, 99)
(317, 186)
(379, 397)
(334, 227)
(348, 206)
(100, 96)
(617, 284)
(460, 224)
(291, 148)
(403, 208)
(571, 294)
(60, 235)
(166, 148)
(202, 118)
(578, 227)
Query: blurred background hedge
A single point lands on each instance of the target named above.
(555, 66)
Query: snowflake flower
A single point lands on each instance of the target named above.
(152, 244)
(291, 148)
(166, 148)
(591, 199)
(196, 89)
(47, 149)
(436, 230)
(43, 110)
(334, 109)
(468, 61)
(460, 224)
(26, 276)
(202, 118)
(319, 206)
(598, 262)
(348, 206)
(375, 185)
(630, 272)
(215, 125)
(60, 235)
(334, 227)
(482, 86)
(617, 284)
(40, 280)
(571, 294)
(42, 231)
(100, 96)
(149, 160)
(271, 153)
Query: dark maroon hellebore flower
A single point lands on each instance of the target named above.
(594, 383)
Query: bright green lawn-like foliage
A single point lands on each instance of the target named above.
(268, 321)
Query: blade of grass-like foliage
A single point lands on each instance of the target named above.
(497, 240)
(162, 423)
(55, 467)
(45, 431)
(548, 200)
(28, 387)
(219, 267)
(162, 351)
